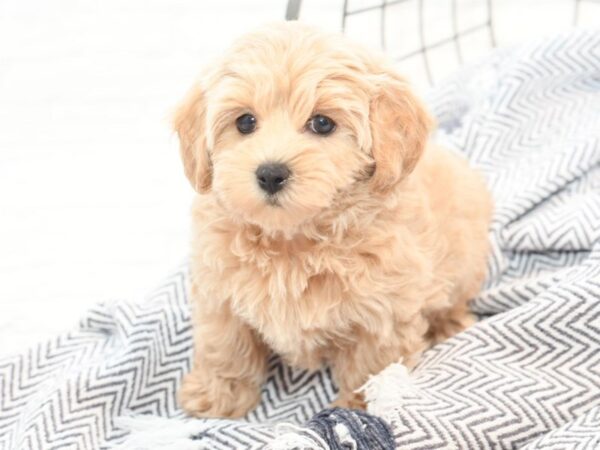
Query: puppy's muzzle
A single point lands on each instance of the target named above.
(272, 177)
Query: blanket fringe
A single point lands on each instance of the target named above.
(149, 433)
(388, 389)
(295, 437)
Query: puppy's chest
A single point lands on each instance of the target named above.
(298, 306)
(301, 300)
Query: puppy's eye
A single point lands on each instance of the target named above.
(246, 123)
(321, 125)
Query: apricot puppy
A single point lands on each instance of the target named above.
(327, 228)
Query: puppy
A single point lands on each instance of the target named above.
(327, 228)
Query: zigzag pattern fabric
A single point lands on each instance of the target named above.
(526, 376)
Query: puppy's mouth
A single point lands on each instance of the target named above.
(273, 200)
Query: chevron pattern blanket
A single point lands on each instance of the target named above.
(526, 376)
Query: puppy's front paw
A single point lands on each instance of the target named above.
(204, 395)
(350, 400)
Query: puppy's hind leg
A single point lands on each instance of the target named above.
(370, 354)
(230, 363)
(445, 323)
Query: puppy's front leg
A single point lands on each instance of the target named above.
(370, 354)
(230, 364)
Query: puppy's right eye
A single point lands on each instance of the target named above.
(246, 123)
(321, 124)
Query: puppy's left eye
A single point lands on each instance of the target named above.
(320, 124)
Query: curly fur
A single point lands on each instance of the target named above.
(374, 247)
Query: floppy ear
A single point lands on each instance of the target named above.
(189, 123)
(399, 128)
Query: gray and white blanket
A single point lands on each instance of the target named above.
(526, 376)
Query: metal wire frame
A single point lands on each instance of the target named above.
(293, 12)
(578, 7)
(425, 48)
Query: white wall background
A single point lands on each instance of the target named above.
(93, 202)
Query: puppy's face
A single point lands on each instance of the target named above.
(292, 118)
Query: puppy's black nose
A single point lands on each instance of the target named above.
(271, 177)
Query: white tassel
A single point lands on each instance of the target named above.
(154, 433)
(292, 436)
(386, 390)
